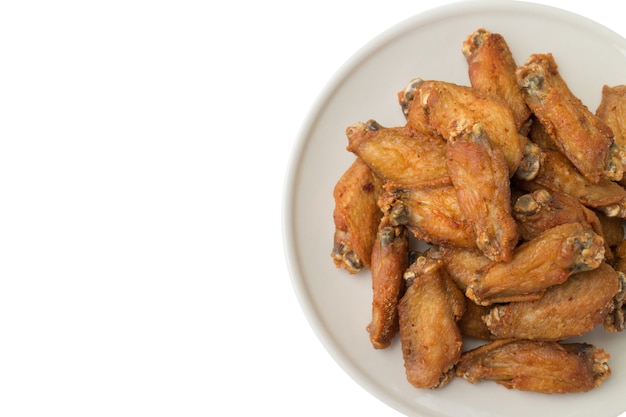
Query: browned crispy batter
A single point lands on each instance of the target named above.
(400, 155)
(538, 264)
(491, 69)
(570, 309)
(530, 365)
(578, 133)
(356, 216)
(541, 210)
(480, 177)
(431, 214)
(452, 109)
(390, 258)
(430, 351)
(558, 174)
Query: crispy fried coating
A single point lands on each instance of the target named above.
(491, 69)
(356, 217)
(541, 210)
(537, 366)
(390, 258)
(616, 320)
(578, 133)
(570, 309)
(549, 259)
(431, 214)
(400, 155)
(451, 109)
(480, 177)
(430, 351)
(558, 174)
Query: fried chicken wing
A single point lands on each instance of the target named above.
(452, 109)
(570, 309)
(390, 259)
(578, 133)
(399, 155)
(541, 210)
(616, 321)
(491, 70)
(430, 351)
(558, 174)
(543, 367)
(431, 214)
(549, 259)
(480, 177)
(612, 111)
(356, 217)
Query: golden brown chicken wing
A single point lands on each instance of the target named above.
(390, 259)
(356, 216)
(480, 177)
(558, 174)
(399, 155)
(543, 367)
(491, 70)
(430, 351)
(431, 214)
(549, 259)
(462, 264)
(578, 133)
(612, 111)
(452, 109)
(541, 210)
(570, 309)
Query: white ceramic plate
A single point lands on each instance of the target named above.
(338, 305)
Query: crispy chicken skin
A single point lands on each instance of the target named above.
(390, 258)
(558, 174)
(570, 309)
(451, 109)
(430, 351)
(578, 133)
(616, 321)
(549, 259)
(356, 217)
(472, 324)
(491, 69)
(400, 155)
(480, 177)
(537, 366)
(431, 214)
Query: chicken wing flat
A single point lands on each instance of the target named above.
(570, 309)
(558, 174)
(480, 177)
(537, 366)
(578, 133)
(390, 259)
(451, 109)
(356, 216)
(400, 155)
(549, 259)
(491, 70)
(541, 210)
(430, 351)
(431, 214)
(616, 320)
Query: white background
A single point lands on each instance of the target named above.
(143, 153)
